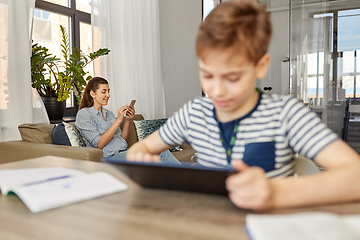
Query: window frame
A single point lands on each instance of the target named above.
(216, 2)
(75, 17)
(335, 54)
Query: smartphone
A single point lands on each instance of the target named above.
(132, 103)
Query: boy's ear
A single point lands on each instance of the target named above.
(262, 66)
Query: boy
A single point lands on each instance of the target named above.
(257, 133)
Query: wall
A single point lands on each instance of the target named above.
(279, 46)
(179, 22)
(278, 50)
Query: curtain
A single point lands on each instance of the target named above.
(130, 29)
(312, 70)
(18, 102)
(312, 36)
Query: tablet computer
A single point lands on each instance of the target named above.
(183, 177)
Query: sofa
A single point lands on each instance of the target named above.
(36, 142)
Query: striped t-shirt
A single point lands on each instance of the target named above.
(268, 136)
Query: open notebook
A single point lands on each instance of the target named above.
(301, 226)
(45, 188)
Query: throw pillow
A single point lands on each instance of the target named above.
(36, 132)
(65, 134)
(145, 127)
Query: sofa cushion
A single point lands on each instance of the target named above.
(132, 138)
(59, 136)
(66, 134)
(36, 132)
(145, 127)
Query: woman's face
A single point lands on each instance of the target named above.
(101, 96)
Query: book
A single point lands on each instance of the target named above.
(42, 189)
(308, 225)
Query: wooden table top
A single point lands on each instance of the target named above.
(137, 213)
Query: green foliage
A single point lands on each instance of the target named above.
(67, 75)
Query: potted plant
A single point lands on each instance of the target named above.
(54, 78)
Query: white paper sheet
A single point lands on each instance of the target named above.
(300, 226)
(52, 194)
(13, 178)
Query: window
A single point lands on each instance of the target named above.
(208, 6)
(83, 5)
(75, 16)
(348, 47)
(345, 57)
(86, 44)
(43, 26)
(64, 3)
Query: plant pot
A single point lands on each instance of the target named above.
(54, 109)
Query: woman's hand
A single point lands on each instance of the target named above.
(250, 188)
(121, 112)
(130, 113)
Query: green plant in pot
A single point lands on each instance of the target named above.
(54, 78)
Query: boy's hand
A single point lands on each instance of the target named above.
(250, 188)
(142, 157)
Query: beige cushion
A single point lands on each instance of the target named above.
(36, 132)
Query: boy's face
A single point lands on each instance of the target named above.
(231, 84)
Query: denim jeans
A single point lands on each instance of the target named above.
(166, 157)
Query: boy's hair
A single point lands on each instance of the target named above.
(242, 25)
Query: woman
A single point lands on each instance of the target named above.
(100, 128)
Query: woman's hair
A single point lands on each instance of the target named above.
(92, 85)
(243, 26)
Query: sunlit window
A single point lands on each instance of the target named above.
(86, 45)
(64, 3)
(83, 5)
(208, 6)
(347, 56)
(47, 33)
(49, 15)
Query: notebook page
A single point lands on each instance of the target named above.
(13, 178)
(353, 221)
(299, 226)
(48, 195)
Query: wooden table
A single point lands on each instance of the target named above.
(137, 213)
